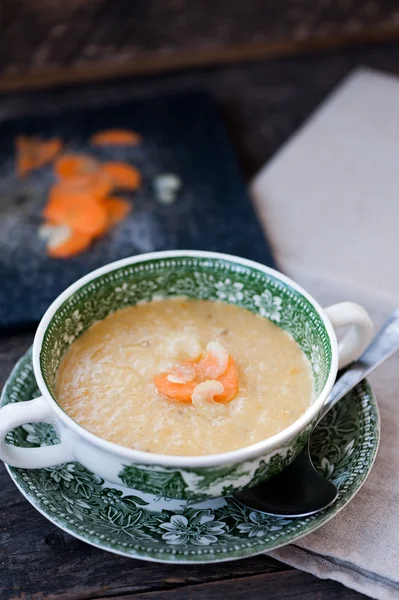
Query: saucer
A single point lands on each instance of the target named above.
(155, 528)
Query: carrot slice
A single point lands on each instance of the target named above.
(47, 151)
(117, 209)
(122, 175)
(116, 137)
(75, 244)
(24, 155)
(98, 185)
(24, 165)
(229, 380)
(76, 166)
(181, 392)
(76, 208)
(33, 153)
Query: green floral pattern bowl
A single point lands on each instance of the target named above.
(193, 274)
(150, 527)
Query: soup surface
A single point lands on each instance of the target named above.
(106, 379)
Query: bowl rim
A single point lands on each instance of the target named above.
(239, 455)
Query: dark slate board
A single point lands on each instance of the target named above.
(183, 135)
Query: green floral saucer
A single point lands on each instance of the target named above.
(139, 525)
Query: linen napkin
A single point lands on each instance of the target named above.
(330, 198)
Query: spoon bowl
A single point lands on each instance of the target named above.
(299, 490)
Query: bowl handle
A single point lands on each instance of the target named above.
(358, 337)
(14, 415)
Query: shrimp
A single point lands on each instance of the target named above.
(203, 398)
(183, 346)
(178, 383)
(215, 362)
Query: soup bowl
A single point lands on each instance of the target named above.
(199, 275)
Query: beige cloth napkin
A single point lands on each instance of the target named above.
(331, 208)
(360, 546)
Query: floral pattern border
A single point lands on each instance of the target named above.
(203, 278)
(343, 448)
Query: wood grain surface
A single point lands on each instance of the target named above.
(263, 104)
(49, 42)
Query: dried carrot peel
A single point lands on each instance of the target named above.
(98, 184)
(24, 165)
(116, 137)
(73, 245)
(33, 153)
(23, 146)
(77, 209)
(122, 175)
(48, 151)
(75, 165)
(117, 209)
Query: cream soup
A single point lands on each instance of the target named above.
(107, 379)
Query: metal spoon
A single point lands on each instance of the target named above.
(299, 490)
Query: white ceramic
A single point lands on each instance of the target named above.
(204, 275)
(140, 525)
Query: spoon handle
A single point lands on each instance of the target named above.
(385, 343)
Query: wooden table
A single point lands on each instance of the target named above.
(48, 42)
(262, 104)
